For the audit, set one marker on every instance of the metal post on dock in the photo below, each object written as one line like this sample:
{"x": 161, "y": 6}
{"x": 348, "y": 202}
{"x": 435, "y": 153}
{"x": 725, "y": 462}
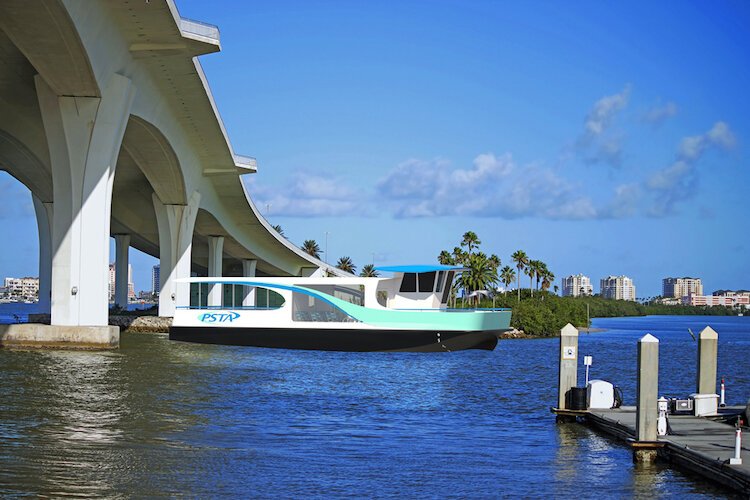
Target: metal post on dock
{"x": 708, "y": 341}
{"x": 646, "y": 395}
{"x": 568, "y": 377}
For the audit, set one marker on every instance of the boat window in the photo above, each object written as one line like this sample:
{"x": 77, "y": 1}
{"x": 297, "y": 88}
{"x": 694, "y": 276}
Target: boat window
{"x": 319, "y": 310}
{"x": 426, "y": 281}
{"x": 409, "y": 283}
{"x": 447, "y": 289}
{"x": 441, "y": 275}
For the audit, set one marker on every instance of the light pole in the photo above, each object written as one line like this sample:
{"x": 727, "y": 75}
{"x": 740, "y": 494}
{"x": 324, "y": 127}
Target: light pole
{"x": 327, "y": 233}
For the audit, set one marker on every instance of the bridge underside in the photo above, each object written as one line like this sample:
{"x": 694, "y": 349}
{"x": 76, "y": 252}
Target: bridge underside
{"x": 106, "y": 116}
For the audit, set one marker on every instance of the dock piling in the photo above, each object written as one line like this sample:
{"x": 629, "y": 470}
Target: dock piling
{"x": 568, "y": 375}
{"x": 737, "y": 459}
{"x": 646, "y": 395}
{"x": 708, "y": 351}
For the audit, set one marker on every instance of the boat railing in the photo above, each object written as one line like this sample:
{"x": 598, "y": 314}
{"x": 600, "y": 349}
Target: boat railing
{"x": 457, "y": 309}
{"x": 229, "y": 307}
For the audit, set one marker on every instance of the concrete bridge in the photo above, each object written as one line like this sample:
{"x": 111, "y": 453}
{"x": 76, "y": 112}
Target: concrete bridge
{"x": 107, "y": 118}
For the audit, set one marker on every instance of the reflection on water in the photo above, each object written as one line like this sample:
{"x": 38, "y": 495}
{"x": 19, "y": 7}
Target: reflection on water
{"x": 162, "y": 418}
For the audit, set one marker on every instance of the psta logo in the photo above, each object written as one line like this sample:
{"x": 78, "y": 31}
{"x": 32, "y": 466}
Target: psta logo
{"x": 218, "y": 317}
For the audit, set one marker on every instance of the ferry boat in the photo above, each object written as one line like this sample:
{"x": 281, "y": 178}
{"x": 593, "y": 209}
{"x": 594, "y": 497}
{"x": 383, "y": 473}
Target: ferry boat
{"x": 406, "y": 312}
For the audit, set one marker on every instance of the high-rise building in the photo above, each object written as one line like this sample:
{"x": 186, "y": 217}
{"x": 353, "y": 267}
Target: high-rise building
{"x": 131, "y": 286}
{"x": 156, "y": 279}
{"x": 576, "y": 285}
{"x": 617, "y": 287}
{"x": 681, "y": 287}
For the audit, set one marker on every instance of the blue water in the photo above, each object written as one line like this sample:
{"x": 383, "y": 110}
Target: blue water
{"x": 19, "y": 312}
{"x": 162, "y": 418}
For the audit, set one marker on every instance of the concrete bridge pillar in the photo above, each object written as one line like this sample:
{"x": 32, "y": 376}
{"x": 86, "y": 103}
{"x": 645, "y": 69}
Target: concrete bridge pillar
{"x": 215, "y": 257}
{"x": 122, "y": 261}
{"x": 43, "y": 223}
{"x": 176, "y": 224}
{"x": 248, "y": 292}
{"x": 84, "y": 135}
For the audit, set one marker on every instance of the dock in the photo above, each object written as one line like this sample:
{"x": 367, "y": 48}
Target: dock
{"x": 703, "y": 437}
{"x": 698, "y": 444}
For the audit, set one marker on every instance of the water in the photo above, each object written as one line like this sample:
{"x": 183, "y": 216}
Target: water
{"x": 160, "y": 418}
{"x": 17, "y": 312}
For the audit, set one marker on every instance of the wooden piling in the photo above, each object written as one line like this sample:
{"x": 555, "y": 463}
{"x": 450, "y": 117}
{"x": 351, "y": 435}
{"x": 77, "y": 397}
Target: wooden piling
{"x": 708, "y": 350}
{"x": 568, "y": 375}
{"x": 646, "y": 396}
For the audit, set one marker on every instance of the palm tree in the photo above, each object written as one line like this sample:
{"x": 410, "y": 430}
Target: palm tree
{"x": 530, "y": 271}
{"x": 521, "y": 260}
{"x": 507, "y": 275}
{"x": 446, "y": 258}
{"x": 470, "y": 240}
{"x": 548, "y": 277}
{"x": 346, "y": 265}
{"x": 556, "y": 288}
{"x": 480, "y": 274}
{"x": 311, "y": 247}
{"x": 368, "y": 271}
{"x": 278, "y": 229}
{"x": 459, "y": 256}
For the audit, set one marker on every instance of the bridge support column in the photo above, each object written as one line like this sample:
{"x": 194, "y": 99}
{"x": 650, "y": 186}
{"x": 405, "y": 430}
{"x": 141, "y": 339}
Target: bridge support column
{"x": 122, "y": 276}
{"x": 176, "y": 224}
{"x": 43, "y": 219}
{"x": 84, "y": 135}
{"x": 248, "y": 292}
{"x": 215, "y": 258}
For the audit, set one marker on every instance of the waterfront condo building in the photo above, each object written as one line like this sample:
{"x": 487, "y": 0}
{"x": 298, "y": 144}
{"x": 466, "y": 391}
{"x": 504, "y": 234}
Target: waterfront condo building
{"x": 681, "y": 287}
{"x": 22, "y": 289}
{"x": 576, "y": 285}
{"x": 131, "y": 286}
{"x": 617, "y": 287}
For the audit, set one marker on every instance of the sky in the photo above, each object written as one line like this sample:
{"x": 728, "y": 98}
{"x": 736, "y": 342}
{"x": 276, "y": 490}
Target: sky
{"x": 600, "y": 138}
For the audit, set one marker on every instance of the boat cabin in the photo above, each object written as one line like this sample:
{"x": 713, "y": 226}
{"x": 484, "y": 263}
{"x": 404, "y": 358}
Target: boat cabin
{"x": 416, "y": 287}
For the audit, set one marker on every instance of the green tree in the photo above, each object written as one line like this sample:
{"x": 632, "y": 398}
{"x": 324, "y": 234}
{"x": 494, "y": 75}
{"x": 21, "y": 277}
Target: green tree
{"x": 311, "y": 247}
{"x": 481, "y": 273}
{"x": 507, "y": 275}
{"x": 446, "y": 258}
{"x": 279, "y": 230}
{"x": 368, "y": 271}
{"x": 346, "y": 265}
{"x": 521, "y": 260}
{"x": 470, "y": 241}
{"x": 548, "y": 277}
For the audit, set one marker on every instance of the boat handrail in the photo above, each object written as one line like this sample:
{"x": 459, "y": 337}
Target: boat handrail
{"x": 228, "y": 307}
{"x": 453, "y": 309}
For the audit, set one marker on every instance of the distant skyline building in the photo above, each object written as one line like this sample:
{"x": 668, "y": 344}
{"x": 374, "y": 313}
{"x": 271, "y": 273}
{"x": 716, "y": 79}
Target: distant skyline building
{"x": 21, "y": 288}
{"x": 131, "y": 286}
{"x": 576, "y": 285}
{"x": 155, "y": 279}
{"x": 681, "y": 287}
{"x": 617, "y": 287}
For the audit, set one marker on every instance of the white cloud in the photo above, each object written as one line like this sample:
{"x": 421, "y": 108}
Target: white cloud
{"x": 659, "y": 113}
{"x": 601, "y": 115}
{"x": 309, "y": 195}
{"x": 492, "y": 187}
{"x": 678, "y": 181}
{"x": 598, "y": 144}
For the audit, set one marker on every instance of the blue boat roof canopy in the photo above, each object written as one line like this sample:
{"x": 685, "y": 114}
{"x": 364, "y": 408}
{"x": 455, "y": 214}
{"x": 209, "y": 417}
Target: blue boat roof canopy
{"x": 419, "y": 268}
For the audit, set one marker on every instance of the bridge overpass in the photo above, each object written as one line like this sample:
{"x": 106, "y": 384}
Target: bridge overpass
{"x": 106, "y": 116}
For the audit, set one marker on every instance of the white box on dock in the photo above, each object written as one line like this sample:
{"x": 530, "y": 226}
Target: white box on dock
{"x": 600, "y": 394}
{"x": 705, "y": 404}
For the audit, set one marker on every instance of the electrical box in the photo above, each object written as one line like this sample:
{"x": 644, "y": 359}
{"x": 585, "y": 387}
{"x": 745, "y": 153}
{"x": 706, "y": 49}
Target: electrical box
{"x": 600, "y": 394}
{"x": 677, "y": 406}
{"x": 705, "y": 404}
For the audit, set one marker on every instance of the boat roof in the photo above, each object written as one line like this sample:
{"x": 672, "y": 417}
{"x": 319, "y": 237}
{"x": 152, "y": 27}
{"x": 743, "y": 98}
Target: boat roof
{"x": 419, "y": 268}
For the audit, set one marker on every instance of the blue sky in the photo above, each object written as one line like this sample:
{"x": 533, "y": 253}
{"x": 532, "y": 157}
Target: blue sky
{"x": 600, "y": 138}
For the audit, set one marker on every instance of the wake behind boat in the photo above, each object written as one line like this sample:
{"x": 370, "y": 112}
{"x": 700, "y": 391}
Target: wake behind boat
{"x": 407, "y": 312}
